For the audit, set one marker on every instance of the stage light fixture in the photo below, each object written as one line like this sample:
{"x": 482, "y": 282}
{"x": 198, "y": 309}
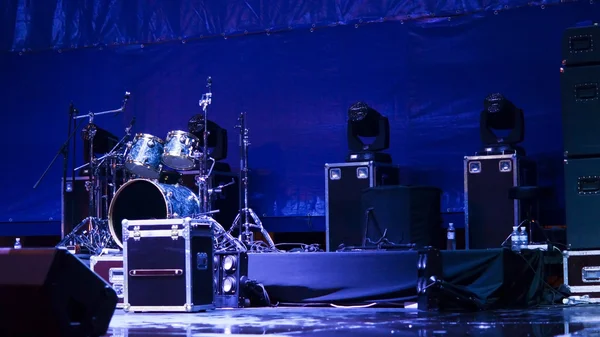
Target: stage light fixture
{"x": 366, "y": 122}
{"x": 229, "y": 285}
{"x": 500, "y": 114}
{"x": 217, "y": 136}
{"x": 229, "y": 263}
{"x": 229, "y": 276}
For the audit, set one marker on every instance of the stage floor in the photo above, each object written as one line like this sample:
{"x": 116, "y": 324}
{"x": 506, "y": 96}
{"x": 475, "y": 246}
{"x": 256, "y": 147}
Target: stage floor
{"x": 547, "y": 321}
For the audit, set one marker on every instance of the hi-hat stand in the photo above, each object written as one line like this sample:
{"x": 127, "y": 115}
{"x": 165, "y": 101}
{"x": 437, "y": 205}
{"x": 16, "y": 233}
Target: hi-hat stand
{"x": 92, "y": 232}
{"x": 242, "y": 220}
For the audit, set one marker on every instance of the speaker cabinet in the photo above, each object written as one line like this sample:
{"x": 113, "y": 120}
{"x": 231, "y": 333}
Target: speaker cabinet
{"x": 344, "y": 183}
{"x": 489, "y": 212}
{"x": 578, "y": 46}
{"x": 49, "y": 292}
{"x": 582, "y": 201}
{"x": 75, "y": 204}
{"x": 580, "y": 94}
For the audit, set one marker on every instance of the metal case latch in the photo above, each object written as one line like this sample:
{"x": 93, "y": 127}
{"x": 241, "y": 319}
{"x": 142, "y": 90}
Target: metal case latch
{"x": 136, "y": 233}
{"x": 174, "y": 232}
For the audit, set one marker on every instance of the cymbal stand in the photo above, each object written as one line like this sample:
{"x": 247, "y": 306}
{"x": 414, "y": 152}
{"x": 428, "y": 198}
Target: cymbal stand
{"x": 202, "y": 179}
{"x": 94, "y": 238}
{"x": 242, "y": 220}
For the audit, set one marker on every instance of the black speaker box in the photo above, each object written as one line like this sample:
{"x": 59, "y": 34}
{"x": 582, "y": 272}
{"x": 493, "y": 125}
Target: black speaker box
{"x": 75, "y": 204}
{"x": 49, "y": 292}
{"x": 490, "y": 213}
{"x": 578, "y": 46}
{"x": 580, "y": 94}
{"x": 344, "y": 183}
{"x": 407, "y": 215}
{"x": 582, "y": 201}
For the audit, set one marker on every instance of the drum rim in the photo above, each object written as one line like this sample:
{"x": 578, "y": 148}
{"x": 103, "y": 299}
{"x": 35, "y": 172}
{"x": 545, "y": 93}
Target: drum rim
{"x": 149, "y": 135}
{"x": 181, "y": 132}
{"x": 111, "y": 226}
{"x": 187, "y": 168}
{"x": 137, "y": 163}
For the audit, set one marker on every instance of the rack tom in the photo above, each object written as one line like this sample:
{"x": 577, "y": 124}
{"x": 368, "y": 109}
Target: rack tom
{"x": 143, "y": 158}
{"x": 179, "y": 150}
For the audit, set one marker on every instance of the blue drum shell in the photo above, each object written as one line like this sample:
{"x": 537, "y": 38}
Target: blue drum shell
{"x": 144, "y": 160}
{"x": 143, "y": 199}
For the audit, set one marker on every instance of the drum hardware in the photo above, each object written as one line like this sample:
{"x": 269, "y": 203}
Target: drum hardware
{"x": 97, "y": 235}
{"x": 219, "y": 189}
{"x": 202, "y": 157}
{"x": 242, "y": 220}
{"x": 223, "y": 240}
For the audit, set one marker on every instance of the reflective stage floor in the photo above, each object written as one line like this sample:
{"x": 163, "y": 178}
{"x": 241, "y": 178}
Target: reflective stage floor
{"x": 359, "y": 322}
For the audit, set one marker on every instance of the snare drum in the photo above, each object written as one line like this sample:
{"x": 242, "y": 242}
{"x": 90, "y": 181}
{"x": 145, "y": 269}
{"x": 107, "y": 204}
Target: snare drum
{"x": 142, "y": 199}
{"x": 179, "y": 150}
{"x": 143, "y": 159}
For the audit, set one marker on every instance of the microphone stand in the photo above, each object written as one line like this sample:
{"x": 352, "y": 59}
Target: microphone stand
{"x": 64, "y": 150}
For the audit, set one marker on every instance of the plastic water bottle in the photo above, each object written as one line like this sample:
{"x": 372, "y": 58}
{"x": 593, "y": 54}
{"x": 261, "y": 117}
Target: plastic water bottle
{"x": 451, "y": 237}
{"x": 18, "y": 243}
{"x": 515, "y": 240}
{"x": 524, "y": 238}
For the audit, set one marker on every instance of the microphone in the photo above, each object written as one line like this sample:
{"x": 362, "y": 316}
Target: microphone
{"x": 131, "y": 124}
{"x": 72, "y": 109}
{"x": 125, "y": 99}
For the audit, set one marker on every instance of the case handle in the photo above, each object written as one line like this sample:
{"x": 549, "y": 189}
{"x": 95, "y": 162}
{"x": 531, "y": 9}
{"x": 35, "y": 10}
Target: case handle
{"x": 586, "y": 91}
{"x": 588, "y": 185}
{"x": 581, "y": 43}
{"x": 155, "y": 272}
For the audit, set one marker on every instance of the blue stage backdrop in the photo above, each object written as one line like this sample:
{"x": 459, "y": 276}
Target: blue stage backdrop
{"x": 427, "y": 66}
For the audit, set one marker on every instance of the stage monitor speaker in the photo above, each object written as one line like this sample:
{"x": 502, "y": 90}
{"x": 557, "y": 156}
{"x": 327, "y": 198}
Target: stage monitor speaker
{"x": 50, "y": 292}
{"x": 407, "y": 215}
{"x": 582, "y": 200}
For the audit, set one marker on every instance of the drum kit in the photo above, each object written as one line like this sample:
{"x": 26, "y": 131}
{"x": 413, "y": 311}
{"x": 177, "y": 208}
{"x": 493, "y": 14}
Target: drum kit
{"x": 129, "y": 179}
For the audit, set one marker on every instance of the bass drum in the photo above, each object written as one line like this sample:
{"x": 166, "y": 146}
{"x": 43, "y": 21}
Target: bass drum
{"x": 142, "y": 199}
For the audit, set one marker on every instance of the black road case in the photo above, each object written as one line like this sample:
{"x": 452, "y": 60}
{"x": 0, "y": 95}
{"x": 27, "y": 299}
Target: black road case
{"x": 168, "y": 265}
